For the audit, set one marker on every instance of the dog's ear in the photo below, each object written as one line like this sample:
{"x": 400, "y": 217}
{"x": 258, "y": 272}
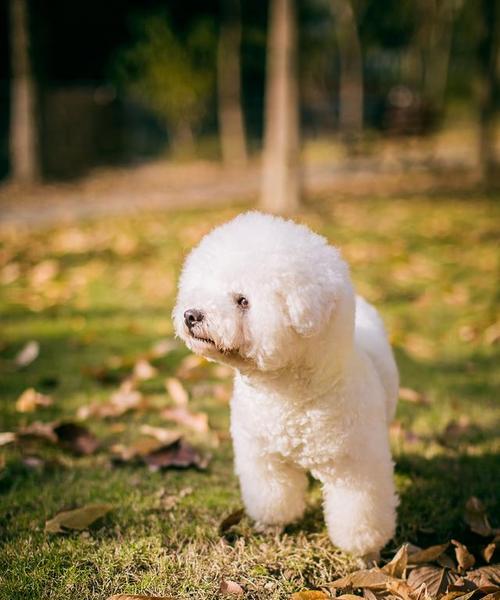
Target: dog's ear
{"x": 310, "y": 308}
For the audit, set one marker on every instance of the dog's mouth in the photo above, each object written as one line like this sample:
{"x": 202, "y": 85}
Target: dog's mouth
{"x": 208, "y": 341}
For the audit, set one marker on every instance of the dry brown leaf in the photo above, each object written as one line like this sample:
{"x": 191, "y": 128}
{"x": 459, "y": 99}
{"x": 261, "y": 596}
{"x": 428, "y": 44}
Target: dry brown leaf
{"x": 177, "y": 391}
{"x": 192, "y": 367}
{"x": 139, "y": 447}
{"x": 196, "y": 421}
{"x": 476, "y": 517}
{"x": 41, "y": 430}
{"x": 76, "y": 438}
{"x": 162, "y": 347}
{"x": 352, "y": 596}
{"x": 179, "y": 455}
{"x": 427, "y": 554}
{"x": 400, "y": 589}
{"x": 373, "y": 579}
{"x": 7, "y": 437}
{"x": 30, "y": 400}
{"x": 233, "y": 519}
{"x": 484, "y": 576}
{"x": 464, "y": 558}
{"x": 230, "y": 588}
{"x": 28, "y": 354}
{"x": 397, "y": 566}
{"x": 455, "y": 430}
{"x": 124, "y": 399}
{"x": 411, "y": 395}
{"x": 144, "y": 370}
{"x": 78, "y": 519}
{"x": 434, "y": 579}
{"x": 311, "y": 595}
{"x": 489, "y": 551}
{"x": 163, "y": 435}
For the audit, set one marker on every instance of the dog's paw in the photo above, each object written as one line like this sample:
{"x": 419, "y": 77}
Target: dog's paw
{"x": 368, "y": 560}
{"x": 267, "y": 529}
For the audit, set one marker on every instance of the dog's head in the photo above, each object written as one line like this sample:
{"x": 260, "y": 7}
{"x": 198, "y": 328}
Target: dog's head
{"x": 259, "y": 292}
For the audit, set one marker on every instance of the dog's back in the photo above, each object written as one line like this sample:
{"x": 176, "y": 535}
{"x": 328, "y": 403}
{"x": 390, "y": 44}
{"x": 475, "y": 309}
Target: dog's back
{"x": 370, "y": 336}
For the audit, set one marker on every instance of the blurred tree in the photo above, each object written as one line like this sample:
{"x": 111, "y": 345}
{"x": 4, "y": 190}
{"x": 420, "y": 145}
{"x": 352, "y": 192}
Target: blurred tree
{"x": 280, "y": 175}
{"x": 24, "y": 164}
{"x": 489, "y": 85}
{"x": 351, "y": 70}
{"x": 231, "y": 121}
{"x": 176, "y": 80}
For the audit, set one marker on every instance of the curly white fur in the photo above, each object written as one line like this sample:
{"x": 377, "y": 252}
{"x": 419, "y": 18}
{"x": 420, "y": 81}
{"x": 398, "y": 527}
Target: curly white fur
{"x": 315, "y": 378}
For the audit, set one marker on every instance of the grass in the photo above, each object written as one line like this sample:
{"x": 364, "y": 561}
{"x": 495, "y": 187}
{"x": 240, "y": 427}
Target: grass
{"x": 97, "y": 293}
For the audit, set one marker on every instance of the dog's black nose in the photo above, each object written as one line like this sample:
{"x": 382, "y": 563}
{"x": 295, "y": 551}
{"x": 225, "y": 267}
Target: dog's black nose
{"x": 193, "y": 316}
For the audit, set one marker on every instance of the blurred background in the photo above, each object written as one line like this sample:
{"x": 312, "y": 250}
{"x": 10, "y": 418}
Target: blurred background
{"x": 378, "y": 87}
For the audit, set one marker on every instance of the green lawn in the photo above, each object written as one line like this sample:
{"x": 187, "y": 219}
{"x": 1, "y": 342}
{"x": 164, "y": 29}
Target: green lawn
{"x": 99, "y": 295}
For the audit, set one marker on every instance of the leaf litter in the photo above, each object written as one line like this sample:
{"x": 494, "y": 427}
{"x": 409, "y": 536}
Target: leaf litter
{"x": 78, "y": 519}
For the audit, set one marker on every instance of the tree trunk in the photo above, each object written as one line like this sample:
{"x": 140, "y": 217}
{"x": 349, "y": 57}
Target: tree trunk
{"x": 351, "y": 71}
{"x": 23, "y": 129}
{"x": 280, "y": 175}
{"x": 437, "y": 18}
{"x": 489, "y": 87}
{"x": 231, "y": 121}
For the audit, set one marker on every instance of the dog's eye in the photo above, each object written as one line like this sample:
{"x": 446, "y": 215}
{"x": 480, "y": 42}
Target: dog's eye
{"x": 242, "y": 302}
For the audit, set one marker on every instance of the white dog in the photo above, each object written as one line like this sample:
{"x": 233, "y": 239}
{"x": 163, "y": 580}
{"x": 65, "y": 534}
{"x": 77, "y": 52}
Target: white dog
{"x": 315, "y": 379}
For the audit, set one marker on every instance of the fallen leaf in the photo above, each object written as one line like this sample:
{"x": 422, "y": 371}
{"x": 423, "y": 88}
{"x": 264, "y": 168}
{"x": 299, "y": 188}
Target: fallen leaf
{"x": 78, "y": 519}
{"x": 232, "y": 519}
{"x": 411, "y": 395}
{"x": 123, "y": 400}
{"x": 28, "y": 354}
{"x": 230, "y": 588}
{"x": 464, "y": 558}
{"x": 140, "y": 447}
{"x": 163, "y": 435}
{"x": 76, "y": 438}
{"x": 196, "y": 421}
{"x": 476, "y": 517}
{"x": 400, "y": 588}
{"x": 374, "y": 579}
{"x": 191, "y": 367}
{"x": 312, "y": 595}
{"x": 427, "y": 554}
{"x": 144, "y": 370}
{"x": 489, "y": 575}
{"x": 38, "y": 429}
{"x": 397, "y": 566}
{"x": 180, "y": 455}
{"x": 162, "y": 347}
{"x": 455, "y": 430}
{"x": 489, "y": 551}
{"x": 30, "y": 400}
{"x": 7, "y": 437}
{"x": 434, "y": 579}
{"x": 176, "y": 391}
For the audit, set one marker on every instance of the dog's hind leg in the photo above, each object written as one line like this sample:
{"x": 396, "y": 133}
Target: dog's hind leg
{"x": 273, "y": 490}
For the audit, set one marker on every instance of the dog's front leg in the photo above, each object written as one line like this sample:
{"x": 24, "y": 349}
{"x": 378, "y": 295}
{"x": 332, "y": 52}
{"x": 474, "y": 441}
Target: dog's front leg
{"x": 273, "y": 490}
{"x": 360, "y": 506}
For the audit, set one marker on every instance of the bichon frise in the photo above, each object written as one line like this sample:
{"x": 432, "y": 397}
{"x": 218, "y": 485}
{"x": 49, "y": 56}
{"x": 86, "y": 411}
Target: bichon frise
{"x": 315, "y": 384}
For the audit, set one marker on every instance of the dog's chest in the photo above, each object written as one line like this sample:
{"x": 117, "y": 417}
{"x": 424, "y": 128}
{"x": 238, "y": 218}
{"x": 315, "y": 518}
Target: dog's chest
{"x": 307, "y": 435}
